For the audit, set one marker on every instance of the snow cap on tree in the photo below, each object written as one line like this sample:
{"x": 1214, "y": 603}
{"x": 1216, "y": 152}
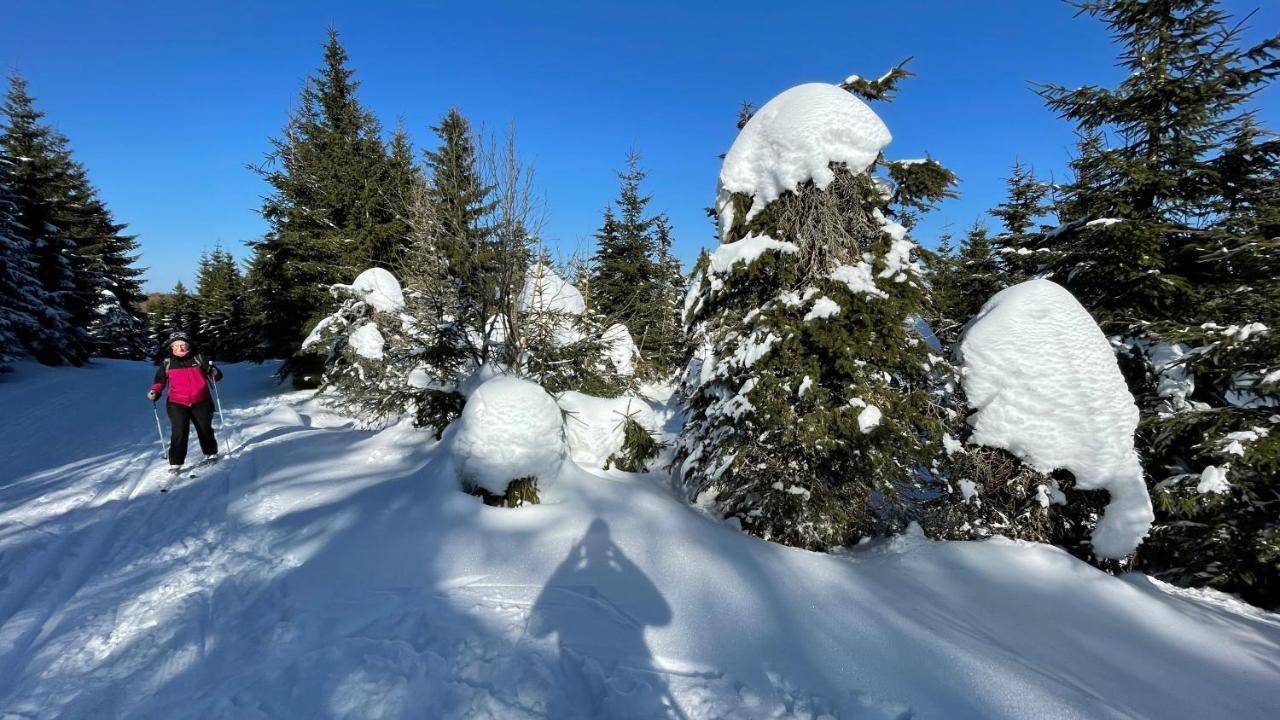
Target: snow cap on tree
{"x": 1046, "y": 387}
{"x": 795, "y": 138}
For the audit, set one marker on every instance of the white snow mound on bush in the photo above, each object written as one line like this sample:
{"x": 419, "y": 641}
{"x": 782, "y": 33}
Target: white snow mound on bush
{"x": 593, "y": 426}
{"x": 620, "y": 349}
{"x": 545, "y": 291}
{"x": 380, "y": 289}
{"x": 793, "y": 139}
{"x": 1046, "y": 387}
{"x": 509, "y": 429}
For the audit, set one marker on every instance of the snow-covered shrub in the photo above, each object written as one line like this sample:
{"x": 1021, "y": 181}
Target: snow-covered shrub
{"x": 377, "y": 361}
{"x": 639, "y": 447}
{"x": 1044, "y": 385}
{"x": 808, "y": 393}
{"x": 560, "y": 346}
{"x": 509, "y": 438}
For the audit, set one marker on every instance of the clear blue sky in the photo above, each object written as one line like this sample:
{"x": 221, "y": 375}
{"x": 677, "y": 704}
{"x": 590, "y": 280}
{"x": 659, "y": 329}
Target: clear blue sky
{"x": 166, "y": 102}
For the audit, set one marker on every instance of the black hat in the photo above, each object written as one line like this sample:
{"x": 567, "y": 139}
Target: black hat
{"x": 178, "y": 336}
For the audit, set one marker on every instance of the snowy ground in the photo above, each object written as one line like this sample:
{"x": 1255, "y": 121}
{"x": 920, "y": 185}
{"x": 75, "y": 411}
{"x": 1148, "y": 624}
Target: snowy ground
{"x": 326, "y": 572}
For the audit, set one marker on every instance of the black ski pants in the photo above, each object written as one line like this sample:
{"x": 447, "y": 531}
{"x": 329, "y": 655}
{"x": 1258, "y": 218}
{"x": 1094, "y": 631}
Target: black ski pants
{"x": 180, "y": 418}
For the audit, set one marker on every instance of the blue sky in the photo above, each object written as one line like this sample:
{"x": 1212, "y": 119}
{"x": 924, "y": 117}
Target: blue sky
{"x": 166, "y": 102}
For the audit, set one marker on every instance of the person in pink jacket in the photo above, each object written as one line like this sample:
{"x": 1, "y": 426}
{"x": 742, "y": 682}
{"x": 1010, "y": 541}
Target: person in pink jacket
{"x": 187, "y": 376}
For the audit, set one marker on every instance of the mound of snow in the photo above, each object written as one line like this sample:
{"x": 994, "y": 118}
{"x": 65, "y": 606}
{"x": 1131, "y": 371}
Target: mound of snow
{"x": 380, "y": 289}
{"x": 546, "y": 291}
{"x": 593, "y": 426}
{"x": 620, "y": 349}
{"x": 509, "y": 429}
{"x": 1046, "y": 387}
{"x": 794, "y": 138}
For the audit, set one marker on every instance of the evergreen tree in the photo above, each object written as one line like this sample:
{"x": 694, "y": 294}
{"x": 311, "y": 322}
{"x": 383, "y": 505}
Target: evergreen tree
{"x": 461, "y": 201}
{"x": 336, "y": 205}
{"x": 962, "y": 283}
{"x": 24, "y": 306}
{"x": 40, "y": 190}
{"x": 1165, "y": 240}
{"x": 220, "y": 292}
{"x": 810, "y": 412}
{"x": 184, "y": 314}
{"x": 632, "y": 280}
{"x": 1016, "y": 244}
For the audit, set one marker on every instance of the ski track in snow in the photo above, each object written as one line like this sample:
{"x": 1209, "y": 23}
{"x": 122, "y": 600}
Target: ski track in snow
{"x": 319, "y": 571}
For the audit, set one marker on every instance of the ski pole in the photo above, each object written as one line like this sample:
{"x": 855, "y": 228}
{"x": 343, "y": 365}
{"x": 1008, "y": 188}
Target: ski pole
{"x": 222, "y": 420}
{"x": 159, "y": 431}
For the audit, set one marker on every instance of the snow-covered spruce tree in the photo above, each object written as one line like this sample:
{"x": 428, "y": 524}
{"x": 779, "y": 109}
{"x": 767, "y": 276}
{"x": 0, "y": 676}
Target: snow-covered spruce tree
{"x": 560, "y": 347}
{"x": 39, "y": 191}
{"x": 809, "y": 412}
{"x": 635, "y": 281}
{"x": 117, "y": 330}
{"x": 25, "y": 308}
{"x": 371, "y": 350}
{"x": 1165, "y": 240}
{"x": 509, "y": 442}
{"x": 960, "y": 284}
{"x": 334, "y": 210}
{"x": 1044, "y": 385}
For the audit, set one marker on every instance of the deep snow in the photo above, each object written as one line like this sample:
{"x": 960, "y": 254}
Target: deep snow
{"x": 322, "y": 571}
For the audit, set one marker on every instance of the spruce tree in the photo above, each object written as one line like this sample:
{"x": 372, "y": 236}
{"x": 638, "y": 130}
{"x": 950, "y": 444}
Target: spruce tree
{"x": 810, "y": 413}
{"x": 40, "y": 190}
{"x": 461, "y": 200}
{"x": 1165, "y": 240}
{"x": 220, "y": 293}
{"x": 632, "y": 280}
{"x": 335, "y": 206}
{"x": 24, "y": 306}
{"x": 1015, "y": 245}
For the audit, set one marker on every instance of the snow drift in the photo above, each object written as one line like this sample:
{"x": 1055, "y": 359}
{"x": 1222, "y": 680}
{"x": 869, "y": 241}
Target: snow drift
{"x": 1045, "y": 385}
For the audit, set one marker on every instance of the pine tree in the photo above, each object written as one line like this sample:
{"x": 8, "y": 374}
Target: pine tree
{"x": 336, "y": 205}
{"x": 810, "y": 412}
{"x": 40, "y": 190}
{"x": 1164, "y": 239}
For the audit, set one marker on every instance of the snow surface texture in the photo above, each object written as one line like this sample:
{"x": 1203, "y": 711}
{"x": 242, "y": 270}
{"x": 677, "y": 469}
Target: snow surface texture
{"x": 794, "y": 138}
{"x": 326, "y": 572}
{"x": 1046, "y": 387}
{"x": 509, "y": 429}
{"x": 380, "y": 289}
{"x": 620, "y": 349}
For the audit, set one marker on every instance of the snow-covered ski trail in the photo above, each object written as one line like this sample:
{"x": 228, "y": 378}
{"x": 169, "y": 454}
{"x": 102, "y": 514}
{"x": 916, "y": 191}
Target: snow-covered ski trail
{"x": 319, "y": 571}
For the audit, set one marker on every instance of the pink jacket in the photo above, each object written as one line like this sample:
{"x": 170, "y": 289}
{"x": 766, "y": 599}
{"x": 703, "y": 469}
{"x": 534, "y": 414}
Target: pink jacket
{"x": 187, "y": 385}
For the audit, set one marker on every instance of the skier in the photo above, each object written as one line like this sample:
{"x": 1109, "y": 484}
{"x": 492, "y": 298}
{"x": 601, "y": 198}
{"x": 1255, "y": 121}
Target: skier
{"x": 186, "y": 373}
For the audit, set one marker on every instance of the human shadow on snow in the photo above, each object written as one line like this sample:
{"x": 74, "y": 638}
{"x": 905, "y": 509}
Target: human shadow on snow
{"x": 598, "y": 603}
